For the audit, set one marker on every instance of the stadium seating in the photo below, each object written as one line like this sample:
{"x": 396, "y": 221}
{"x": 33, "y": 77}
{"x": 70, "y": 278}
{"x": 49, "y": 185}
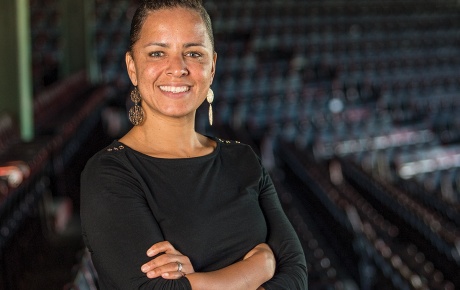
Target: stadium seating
{"x": 353, "y": 105}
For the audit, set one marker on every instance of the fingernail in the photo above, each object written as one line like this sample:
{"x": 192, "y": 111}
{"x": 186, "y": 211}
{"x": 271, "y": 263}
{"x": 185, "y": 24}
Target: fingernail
{"x": 145, "y": 268}
{"x": 150, "y": 253}
{"x": 165, "y": 275}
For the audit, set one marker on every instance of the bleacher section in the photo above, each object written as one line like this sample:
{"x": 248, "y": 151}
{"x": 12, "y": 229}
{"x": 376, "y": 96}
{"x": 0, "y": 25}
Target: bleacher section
{"x": 39, "y": 200}
{"x": 353, "y": 106}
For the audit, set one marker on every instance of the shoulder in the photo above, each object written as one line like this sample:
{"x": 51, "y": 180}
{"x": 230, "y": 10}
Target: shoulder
{"x": 238, "y": 151}
{"x": 234, "y": 146}
{"x": 108, "y": 172}
{"x": 110, "y": 158}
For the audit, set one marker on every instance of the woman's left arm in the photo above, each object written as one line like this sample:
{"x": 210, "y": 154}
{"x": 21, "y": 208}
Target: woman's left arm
{"x": 291, "y": 269}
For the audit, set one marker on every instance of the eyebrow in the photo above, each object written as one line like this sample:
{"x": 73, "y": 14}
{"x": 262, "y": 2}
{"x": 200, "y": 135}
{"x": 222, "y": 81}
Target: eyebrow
{"x": 187, "y": 45}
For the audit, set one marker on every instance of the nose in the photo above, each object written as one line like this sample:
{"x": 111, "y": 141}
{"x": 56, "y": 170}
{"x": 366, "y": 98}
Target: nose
{"x": 177, "y": 67}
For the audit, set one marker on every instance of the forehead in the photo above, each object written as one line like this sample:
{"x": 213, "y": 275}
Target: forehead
{"x": 174, "y": 23}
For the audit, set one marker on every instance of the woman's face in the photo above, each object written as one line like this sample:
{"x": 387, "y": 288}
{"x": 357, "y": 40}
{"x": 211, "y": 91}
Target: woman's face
{"x": 172, "y": 63}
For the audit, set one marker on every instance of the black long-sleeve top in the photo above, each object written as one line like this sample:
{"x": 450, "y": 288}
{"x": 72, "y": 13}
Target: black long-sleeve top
{"x": 213, "y": 209}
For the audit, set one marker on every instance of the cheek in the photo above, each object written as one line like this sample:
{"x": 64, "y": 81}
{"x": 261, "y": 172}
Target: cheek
{"x": 149, "y": 71}
{"x": 206, "y": 75}
{"x": 202, "y": 68}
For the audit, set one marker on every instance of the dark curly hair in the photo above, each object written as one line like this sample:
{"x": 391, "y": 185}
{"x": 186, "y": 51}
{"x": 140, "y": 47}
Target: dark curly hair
{"x": 148, "y": 6}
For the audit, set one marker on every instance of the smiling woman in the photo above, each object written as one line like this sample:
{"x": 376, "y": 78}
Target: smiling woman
{"x": 166, "y": 207}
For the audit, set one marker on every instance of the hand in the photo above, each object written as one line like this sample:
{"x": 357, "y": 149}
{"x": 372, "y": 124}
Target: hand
{"x": 166, "y": 262}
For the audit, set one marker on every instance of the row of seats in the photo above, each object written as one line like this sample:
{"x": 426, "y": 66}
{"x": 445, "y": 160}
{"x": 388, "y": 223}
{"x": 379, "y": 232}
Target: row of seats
{"x": 381, "y": 239}
{"x": 325, "y": 272}
{"x": 359, "y": 7}
{"x": 322, "y": 201}
{"x": 338, "y": 26}
{"x": 437, "y": 234}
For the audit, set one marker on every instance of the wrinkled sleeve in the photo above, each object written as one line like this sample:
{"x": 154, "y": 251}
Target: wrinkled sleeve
{"x": 118, "y": 226}
{"x": 291, "y": 269}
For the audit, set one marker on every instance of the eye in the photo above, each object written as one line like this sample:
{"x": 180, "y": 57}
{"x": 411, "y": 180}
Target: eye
{"x": 194, "y": 54}
{"x": 156, "y": 54}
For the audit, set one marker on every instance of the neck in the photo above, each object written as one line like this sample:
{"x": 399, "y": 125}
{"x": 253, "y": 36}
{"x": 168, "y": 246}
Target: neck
{"x": 167, "y": 138}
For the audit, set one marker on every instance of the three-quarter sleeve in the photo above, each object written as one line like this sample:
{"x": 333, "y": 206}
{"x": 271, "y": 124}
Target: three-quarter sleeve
{"x": 291, "y": 269}
{"x": 118, "y": 226}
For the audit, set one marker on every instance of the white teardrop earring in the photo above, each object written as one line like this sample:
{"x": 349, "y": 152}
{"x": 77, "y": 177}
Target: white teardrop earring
{"x": 210, "y": 99}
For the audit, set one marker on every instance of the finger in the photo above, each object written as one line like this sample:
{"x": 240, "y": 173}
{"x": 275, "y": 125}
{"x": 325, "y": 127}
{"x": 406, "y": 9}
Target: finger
{"x": 162, "y": 247}
{"x": 173, "y": 275}
{"x": 176, "y": 274}
{"x": 159, "y": 247}
{"x": 170, "y": 270}
{"x": 163, "y": 260}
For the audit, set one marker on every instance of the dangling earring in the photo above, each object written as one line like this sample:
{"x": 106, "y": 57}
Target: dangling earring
{"x": 210, "y": 99}
{"x": 136, "y": 113}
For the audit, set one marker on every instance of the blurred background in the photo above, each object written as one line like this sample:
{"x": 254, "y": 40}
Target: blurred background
{"x": 353, "y": 106}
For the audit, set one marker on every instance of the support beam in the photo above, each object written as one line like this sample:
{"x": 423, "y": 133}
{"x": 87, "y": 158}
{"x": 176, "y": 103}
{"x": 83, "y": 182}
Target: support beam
{"x": 16, "y": 97}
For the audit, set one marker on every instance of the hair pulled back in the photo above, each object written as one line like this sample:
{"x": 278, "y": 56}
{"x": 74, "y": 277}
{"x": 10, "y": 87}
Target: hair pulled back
{"x": 148, "y": 6}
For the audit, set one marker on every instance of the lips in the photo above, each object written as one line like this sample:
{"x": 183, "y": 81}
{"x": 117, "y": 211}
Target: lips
{"x": 175, "y": 89}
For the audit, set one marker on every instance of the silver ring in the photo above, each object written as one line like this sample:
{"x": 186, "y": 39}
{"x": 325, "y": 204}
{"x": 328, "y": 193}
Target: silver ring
{"x": 179, "y": 266}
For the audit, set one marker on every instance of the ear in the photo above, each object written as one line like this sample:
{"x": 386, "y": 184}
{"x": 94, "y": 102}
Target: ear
{"x": 213, "y": 68}
{"x": 131, "y": 68}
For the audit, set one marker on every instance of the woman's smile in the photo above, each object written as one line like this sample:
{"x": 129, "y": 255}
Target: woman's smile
{"x": 174, "y": 89}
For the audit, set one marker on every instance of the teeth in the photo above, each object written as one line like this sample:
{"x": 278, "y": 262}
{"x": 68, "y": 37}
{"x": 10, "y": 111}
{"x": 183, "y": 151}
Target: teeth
{"x": 174, "y": 89}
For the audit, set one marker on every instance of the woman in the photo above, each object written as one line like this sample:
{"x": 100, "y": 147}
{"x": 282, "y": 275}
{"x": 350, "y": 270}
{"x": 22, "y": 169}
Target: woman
{"x": 165, "y": 207}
